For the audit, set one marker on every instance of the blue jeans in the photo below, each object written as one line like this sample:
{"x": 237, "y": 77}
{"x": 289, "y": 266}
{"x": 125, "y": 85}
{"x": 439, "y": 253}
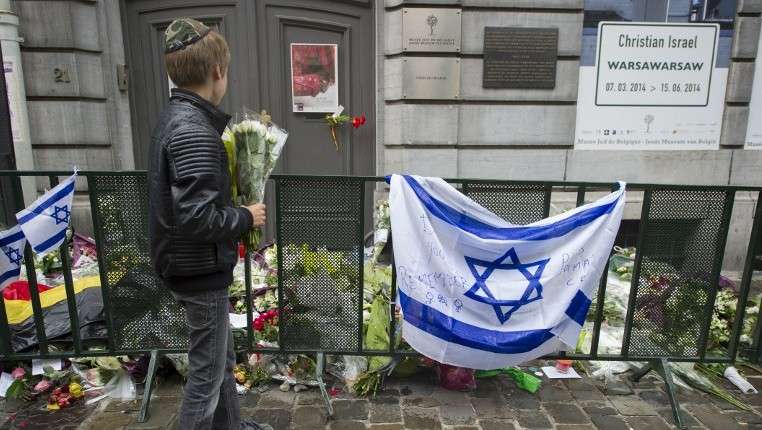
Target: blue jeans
{"x": 210, "y": 400}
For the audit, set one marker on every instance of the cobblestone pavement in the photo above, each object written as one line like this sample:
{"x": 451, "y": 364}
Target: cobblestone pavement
{"x": 419, "y": 403}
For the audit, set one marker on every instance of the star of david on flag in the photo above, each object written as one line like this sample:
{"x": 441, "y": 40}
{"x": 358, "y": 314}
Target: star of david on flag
{"x": 505, "y": 307}
{"x": 45, "y": 221}
{"x": 12, "y": 243}
{"x": 505, "y": 293}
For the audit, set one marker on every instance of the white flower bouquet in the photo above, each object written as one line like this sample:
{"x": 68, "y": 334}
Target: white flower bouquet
{"x": 254, "y": 145}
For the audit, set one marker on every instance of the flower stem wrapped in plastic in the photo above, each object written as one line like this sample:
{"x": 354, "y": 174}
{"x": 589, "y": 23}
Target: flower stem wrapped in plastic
{"x": 258, "y": 143}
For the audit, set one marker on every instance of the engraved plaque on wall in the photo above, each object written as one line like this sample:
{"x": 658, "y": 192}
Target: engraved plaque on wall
{"x": 431, "y": 78}
{"x": 431, "y": 30}
{"x": 516, "y": 57}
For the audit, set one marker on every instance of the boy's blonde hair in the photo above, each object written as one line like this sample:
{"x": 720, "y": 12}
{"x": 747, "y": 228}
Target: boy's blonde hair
{"x": 194, "y": 64}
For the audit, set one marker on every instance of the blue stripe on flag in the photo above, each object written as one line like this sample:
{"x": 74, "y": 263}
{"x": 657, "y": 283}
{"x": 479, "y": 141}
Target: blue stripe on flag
{"x": 451, "y": 330}
{"x": 44, "y": 246}
{"x": 578, "y": 308}
{"x": 486, "y": 231}
{"x": 68, "y": 189}
{"x": 10, "y": 275}
{"x": 15, "y": 237}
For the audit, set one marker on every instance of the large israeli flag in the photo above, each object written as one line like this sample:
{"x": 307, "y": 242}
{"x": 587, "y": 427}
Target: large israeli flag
{"x": 45, "y": 222}
{"x": 479, "y": 292}
{"x": 12, "y": 243}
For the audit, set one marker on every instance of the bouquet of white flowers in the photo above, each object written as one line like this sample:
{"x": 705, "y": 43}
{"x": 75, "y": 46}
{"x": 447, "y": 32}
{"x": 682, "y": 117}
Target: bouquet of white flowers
{"x": 253, "y": 145}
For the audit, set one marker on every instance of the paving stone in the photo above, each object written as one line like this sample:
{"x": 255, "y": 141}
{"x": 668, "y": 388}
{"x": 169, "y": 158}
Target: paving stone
{"x": 350, "y": 410}
{"x": 457, "y": 414}
{"x": 417, "y": 388}
{"x": 486, "y": 388}
{"x": 647, "y": 381}
{"x": 449, "y": 397}
{"x": 722, "y": 404}
{"x": 534, "y": 420}
{"x": 609, "y": 422}
{"x": 575, "y": 427}
{"x": 555, "y": 392}
{"x": 711, "y": 417}
{"x": 347, "y": 425}
{"x": 250, "y": 400}
{"x": 107, "y": 421}
{"x": 745, "y": 417}
{"x": 654, "y": 397}
{"x": 579, "y": 385}
{"x": 497, "y": 425}
{"x": 421, "y": 402}
{"x": 752, "y": 399}
{"x": 116, "y": 406}
{"x": 647, "y": 423}
{"x": 688, "y": 419}
{"x": 421, "y": 418}
{"x": 310, "y": 397}
{"x": 279, "y": 419}
{"x": 276, "y": 399}
{"x": 386, "y": 427}
{"x": 465, "y": 428}
{"x": 387, "y": 400}
{"x": 588, "y": 395}
{"x": 309, "y": 416}
{"x": 564, "y": 413}
{"x": 617, "y": 388}
{"x": 492, "y": 407}
{"x": 631, "y": 405}
{"x": 385, "y": 413}
{"x": 522, "y": 400}
{"x": 599, "y": 409}
{"x": 388, "y": 392}
{"x": 690, "y": 397}
{"x": 161, "y": 414}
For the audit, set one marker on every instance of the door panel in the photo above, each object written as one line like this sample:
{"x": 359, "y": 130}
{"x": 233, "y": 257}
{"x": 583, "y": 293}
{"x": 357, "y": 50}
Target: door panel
{"x": 350, "y": 26}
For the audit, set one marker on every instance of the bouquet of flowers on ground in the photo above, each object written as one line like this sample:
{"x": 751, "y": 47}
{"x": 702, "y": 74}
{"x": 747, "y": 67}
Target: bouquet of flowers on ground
{"x": 253, "y": 145}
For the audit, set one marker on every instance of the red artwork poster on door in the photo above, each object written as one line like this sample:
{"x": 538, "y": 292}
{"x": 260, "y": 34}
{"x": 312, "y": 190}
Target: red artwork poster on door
{"x": 314, "y": 77}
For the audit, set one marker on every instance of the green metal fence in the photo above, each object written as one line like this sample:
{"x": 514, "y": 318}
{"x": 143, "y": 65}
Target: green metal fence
{"x": 684, "y": 228}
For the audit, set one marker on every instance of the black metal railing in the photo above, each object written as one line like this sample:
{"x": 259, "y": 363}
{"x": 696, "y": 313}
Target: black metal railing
{"x": 682, "y": 237}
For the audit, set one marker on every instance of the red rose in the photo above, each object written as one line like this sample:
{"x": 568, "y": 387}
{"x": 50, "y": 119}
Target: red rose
{"x": 362, "y": 119}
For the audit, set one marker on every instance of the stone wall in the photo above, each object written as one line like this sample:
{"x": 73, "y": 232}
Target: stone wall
{"x": 77, "y": 115}
{"x": 529, "y": 134}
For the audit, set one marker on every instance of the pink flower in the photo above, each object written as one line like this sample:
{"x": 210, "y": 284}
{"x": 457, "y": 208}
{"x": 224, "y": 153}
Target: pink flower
{"x": 42, "y": 386}
{"x": 18, "y": 373}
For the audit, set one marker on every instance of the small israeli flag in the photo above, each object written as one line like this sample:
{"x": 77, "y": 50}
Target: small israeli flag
{"x": 12, "y": 243}
{"x": 45, "y": 222}
{"x": 479, "y": 292}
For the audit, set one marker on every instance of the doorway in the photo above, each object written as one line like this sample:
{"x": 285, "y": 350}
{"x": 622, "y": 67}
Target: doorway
{"x": 260, "y": 34}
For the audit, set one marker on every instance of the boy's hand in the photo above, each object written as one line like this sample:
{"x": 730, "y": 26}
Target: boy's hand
{"x": 259, "y": 213}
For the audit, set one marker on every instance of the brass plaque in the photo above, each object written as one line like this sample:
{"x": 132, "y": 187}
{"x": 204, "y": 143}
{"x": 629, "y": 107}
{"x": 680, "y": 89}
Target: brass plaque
{"x": 431, "y": 78}
{"x": 516, "y": 57}
{"x": 431, "y": 30}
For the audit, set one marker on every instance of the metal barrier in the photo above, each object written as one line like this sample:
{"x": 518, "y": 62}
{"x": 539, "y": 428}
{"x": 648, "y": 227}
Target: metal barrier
{"x": 682, "y": 227}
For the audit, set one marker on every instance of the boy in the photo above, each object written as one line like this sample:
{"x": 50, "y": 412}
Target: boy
{"x": 193, "y": 226}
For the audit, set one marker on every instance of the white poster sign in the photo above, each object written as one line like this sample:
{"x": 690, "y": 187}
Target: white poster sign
{"x": 314, "y": 77}
{"x": 754, "y": 130}
{"x": 654, "y": 87}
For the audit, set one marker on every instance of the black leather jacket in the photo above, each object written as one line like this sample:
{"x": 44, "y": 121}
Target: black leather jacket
{"x": 193, "y": 227}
